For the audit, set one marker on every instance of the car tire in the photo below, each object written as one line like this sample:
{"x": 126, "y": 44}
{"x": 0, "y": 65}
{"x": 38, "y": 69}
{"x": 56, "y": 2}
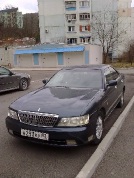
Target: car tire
{"x": 23, "y": 84}
{"x": 121, "y": 102}
{"x": 98, "y": 134}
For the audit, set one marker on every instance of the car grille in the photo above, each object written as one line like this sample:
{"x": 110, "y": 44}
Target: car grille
{"x": 38, "y": 119}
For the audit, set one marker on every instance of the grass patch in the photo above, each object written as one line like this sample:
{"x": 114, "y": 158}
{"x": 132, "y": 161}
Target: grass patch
{"x": 121, "y": 65}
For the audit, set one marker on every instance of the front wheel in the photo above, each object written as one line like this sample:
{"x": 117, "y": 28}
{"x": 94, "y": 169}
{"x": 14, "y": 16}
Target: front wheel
{"x": 23, "y": 84}
{"x": 98, "y": 129}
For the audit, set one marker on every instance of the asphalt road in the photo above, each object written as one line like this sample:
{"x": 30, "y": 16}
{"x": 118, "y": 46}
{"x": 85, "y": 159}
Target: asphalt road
{"x": 20, "y": 159}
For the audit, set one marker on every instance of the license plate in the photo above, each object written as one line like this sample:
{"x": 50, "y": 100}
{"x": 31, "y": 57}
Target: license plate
{"x": 34, "y": 134}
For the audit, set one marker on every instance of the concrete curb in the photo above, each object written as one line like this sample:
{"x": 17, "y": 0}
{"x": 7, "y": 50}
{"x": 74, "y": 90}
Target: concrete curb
{"x": 35, "y": 69}
{"x": 91, "y": 165}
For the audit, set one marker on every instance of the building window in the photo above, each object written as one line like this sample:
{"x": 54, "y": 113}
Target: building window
{"x": 71, "y": 28}
{"x": 84, "y": 16}
{"x": 84, "y": 28}
{"x": 84, "y": 3}
{"x": 71, "y": 40}
{"x": 85, "y": 40}
{"x": 70, "y": 17}
{"x": 70, "y": 5}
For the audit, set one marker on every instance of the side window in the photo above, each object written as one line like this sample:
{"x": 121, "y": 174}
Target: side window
{"x": 108, "y": 75}
{"x": 114, "y": 73}
{"x": 4, "y": 71}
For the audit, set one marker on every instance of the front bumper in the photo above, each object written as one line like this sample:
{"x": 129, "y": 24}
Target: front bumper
{"x": 57, "y": 136}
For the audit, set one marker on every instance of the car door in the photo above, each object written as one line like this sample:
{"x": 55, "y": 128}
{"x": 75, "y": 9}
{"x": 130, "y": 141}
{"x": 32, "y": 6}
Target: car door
{"x": 14, "y": 80}
{"x": 110, "y": 91}
{"x": 7, "y": 79}
{"x": 120, "y": 81}
{"x": 4, "y": 79}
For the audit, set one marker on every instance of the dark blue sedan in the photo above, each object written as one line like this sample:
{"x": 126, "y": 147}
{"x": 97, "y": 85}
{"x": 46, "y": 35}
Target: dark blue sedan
{"x": 71, "y": 107}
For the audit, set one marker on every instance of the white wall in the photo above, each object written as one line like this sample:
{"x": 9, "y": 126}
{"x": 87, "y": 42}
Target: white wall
{"x": 6, "y": 56}
{"x": 25, "y": 60}
{"x": 73, "y": 58}
{"x": 95, "y": 54}
{"x": 48, "y": 60}
{"x": 51, "y": 20}
{"x": 101, "y": 5}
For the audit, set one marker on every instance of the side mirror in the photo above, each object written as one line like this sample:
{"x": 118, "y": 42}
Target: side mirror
{"x": 11, "y": 73}
{"x": 112, "y": 83}
{"x": 45, "y": 81}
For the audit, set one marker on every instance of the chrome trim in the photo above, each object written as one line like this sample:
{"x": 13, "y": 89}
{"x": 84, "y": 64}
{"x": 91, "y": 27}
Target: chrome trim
{"x": 36, "y": 114}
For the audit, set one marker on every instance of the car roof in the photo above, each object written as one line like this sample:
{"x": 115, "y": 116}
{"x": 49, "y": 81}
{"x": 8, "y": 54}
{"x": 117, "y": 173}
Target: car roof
{"x": 92, "y": 66}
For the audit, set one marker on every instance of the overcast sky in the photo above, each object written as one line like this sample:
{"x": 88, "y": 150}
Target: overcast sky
{"x": 133, "y": 3}
{"x": 25, "y": 6}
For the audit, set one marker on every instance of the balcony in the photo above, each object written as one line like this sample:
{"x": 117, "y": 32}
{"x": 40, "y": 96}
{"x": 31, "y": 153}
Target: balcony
{"x": 70, "y": 5}
{"x": 84, "y": 16}
{"x": 84, "y": 4}
{"x": 85, "y": 28}
{"x": 70, "y": 18}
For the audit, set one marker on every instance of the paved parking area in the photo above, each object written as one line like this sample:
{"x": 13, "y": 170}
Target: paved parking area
{"x": 119, "y": 159}
{"x": 23, "y": 159}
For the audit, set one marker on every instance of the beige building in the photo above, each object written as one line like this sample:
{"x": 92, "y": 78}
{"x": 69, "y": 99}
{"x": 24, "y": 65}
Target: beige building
{"x": 57, "y": 55}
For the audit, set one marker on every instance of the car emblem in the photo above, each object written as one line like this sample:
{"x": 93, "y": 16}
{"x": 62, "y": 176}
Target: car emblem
{"x": 38, "y": 109}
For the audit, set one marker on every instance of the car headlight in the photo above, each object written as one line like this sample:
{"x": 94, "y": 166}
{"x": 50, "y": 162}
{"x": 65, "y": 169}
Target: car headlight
{"x": 12, "y": 114}
{"x": 74, "y": 121}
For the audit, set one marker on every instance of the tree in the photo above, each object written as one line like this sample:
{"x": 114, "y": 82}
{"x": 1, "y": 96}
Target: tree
{"x": 31, "y": 26}
{"x": 107, "y": 31}
{"x": 130, "y": 52}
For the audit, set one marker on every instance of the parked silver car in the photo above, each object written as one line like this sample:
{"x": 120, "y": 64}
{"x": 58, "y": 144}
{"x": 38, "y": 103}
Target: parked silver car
{"x": 10, "y": 80}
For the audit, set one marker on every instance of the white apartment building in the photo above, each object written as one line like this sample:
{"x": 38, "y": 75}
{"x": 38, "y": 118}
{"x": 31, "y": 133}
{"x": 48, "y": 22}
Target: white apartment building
{"x": 132, "y": 23}
{"x": 64, "y": 21}
{"x": 124, "y": 19}
{"x": 126, "y": 22}
{"x": 69, "y": 21}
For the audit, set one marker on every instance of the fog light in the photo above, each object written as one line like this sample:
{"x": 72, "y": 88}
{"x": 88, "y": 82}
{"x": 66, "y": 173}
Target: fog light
{"x": 10, "y": 131}
{"x": 71, "y": 142}
{"x": 90, "y": 138}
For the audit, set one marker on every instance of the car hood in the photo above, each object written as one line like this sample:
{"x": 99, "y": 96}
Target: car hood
{"x": 21, "y": 74}
{"x": 65, "y": 102}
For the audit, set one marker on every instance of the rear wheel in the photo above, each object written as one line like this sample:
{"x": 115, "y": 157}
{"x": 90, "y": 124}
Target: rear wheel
{"x": 23, "y": 84}
{"x": 98, "y": 129}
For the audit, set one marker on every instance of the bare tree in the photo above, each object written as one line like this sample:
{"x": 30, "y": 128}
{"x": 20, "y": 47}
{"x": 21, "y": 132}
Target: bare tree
{"x": 130, "y": 52}
{"x": 8, "y": 6}
{"x": 31, "y": 25}
{"x": 106, "y": 30}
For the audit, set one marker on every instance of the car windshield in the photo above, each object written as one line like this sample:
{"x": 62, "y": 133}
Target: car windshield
{"x": 79, "y": 78}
